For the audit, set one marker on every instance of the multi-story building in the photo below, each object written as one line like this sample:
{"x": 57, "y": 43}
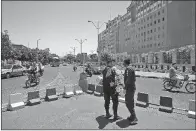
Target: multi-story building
{"x": 151, "y": 26}
{"x": 109, "y": 38}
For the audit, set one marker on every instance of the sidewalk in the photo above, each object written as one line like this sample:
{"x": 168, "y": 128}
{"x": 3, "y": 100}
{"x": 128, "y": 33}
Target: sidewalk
{"x": 86, "y": 112}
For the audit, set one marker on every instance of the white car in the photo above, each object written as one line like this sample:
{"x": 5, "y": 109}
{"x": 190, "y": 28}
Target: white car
{"x": 8, "y": 71}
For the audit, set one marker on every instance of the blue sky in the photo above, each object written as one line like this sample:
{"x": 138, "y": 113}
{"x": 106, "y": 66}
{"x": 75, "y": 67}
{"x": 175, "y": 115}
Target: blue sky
{"x": 57, "y": 23}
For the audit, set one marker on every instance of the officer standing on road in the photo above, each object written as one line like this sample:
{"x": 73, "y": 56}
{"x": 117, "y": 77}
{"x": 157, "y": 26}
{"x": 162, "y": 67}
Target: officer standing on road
{"x": 109, "y": 89}
{"x": 129, "y": 81}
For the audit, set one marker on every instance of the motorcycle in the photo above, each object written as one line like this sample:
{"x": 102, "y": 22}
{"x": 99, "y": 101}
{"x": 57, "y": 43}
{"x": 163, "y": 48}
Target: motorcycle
{"x": 32, "y": 79}
{"x": 74, "y": 68}
{"x": 169, "y": 84}
{"x": 41, "y": 73}
{"x": 89, "y": 72}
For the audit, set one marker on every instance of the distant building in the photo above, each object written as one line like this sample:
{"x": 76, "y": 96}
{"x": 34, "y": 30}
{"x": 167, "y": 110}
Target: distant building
{"x": 18, "y": 47}
{"x": 150, "y": 26}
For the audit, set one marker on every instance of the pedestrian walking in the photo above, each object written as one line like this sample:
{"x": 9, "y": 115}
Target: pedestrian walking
{"x": 129, "y": 82}
{"x": 109, "y": 89}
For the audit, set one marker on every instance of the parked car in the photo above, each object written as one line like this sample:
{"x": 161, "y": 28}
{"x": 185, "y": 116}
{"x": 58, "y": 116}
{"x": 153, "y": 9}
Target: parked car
{"x": 8, "y": 71}
{"x": 65, "y": 64}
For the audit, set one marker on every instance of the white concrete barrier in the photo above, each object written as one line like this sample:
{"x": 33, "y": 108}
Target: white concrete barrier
{"x": 77, "y": 90}
{"x": 191, "y": 111}
{"x": 68, "y": 91}
{"x": 15, "y": 101}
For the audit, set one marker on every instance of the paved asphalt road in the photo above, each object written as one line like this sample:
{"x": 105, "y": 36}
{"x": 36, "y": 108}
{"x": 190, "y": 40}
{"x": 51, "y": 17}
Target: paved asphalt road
{"x": 86, "y": 112}
{"x": 17, "y": 84}
{"x": 151, "y": 86}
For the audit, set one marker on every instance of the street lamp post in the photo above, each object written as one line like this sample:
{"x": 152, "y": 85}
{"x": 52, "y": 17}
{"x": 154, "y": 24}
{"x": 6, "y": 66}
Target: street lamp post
{"x": 81, "y": 42}
{"x": 97, "y": 27}
{"x": 74, "y": 49}
{"x": 37, "y": 49}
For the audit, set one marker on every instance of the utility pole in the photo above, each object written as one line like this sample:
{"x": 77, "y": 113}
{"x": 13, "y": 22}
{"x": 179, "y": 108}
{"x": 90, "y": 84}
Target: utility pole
{"x": 37, "y": 49}
{"x": 74, "y": 49}
{"x": 97, "y": 27}
{"x": 81, "y": 42}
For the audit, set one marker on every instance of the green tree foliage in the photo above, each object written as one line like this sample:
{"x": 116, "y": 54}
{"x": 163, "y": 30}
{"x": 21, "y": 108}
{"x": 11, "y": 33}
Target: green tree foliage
{"x": 106, "y": 57}
{"x": 94, "y": 57}
{"x": 6, "y": 49}
{"x": 70, "y": 58}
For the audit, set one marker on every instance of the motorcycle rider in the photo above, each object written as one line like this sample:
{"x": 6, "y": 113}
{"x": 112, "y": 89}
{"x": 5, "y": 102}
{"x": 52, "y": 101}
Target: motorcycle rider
{"x": 173, "y": 74}
{"x": 74, "y": 67}
{"x": 40, "y": 68}
{"x": 33, "y": 69}
{"x": 88, "y": 68}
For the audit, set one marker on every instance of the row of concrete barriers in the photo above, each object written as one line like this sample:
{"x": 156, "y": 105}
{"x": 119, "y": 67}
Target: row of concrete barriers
{"x": 16, "y": 100}
{"x": 166, "y": 104}
{"x": 33, "y": 98}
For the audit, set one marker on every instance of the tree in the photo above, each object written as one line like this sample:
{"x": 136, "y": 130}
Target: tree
{"x": 6, "y": 49}
{"x": 94, "y": 57}
{"x": 70, "y": 58}
{"x": 106, "y": 57}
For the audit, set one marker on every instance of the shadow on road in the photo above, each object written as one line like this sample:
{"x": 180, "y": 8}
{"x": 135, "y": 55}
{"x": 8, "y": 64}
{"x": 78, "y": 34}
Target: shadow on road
{"x": 102, "y": 121}
{"x": 177, "y": 91}
{"x": 34, "y": 85}
{"x": 123, "y": 123}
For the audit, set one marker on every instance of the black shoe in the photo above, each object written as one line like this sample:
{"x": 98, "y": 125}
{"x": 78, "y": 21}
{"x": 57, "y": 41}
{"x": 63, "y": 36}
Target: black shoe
{"x": 117, "y": 118}
{"x": 134, "y": 121}
{"x": 108, "y": 115}
{"x": 129, "y": 118}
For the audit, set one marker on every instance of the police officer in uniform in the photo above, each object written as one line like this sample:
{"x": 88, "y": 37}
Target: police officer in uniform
{"x": 109, "y": 89}
{"x": 129, "y": 82}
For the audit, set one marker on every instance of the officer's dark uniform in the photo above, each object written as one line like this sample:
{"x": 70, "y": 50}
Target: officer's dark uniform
{"x": 129, "y": 80}
{"x": 110, "y": 91}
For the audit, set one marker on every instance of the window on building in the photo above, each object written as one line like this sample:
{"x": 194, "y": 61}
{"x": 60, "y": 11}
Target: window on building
{"x": 144, "y": 40}
{"x": 150, "y": 45}
{"x": 147, "y": 46}
{"x": 163, "y": 26}
{"x": 159, "y": 28}
{"x": 154, "y": 15}
{"x": 159, "y": 44}
{"x": 150, "y": 23}
{"x": 147, "y": 25}
{"x": 155, "y": 22}
{"x": 144, "y": 46}
{"x": 163, "y": 35}
{"x": 144, "y": 26}
{"x": 163, "y": 19}
{"x": 158, "y": 35}
{"x": 136, "y": 36}
{"x": 151, "y": 17}
{"x": 148, "y": 32}
{"x": 154, "y": 29}
{"x": 162, "y": 10}
{"x": 155, "y": 37}
{"x": 155, "y": 44}
{"x": 159, "y": 13}
{"x": 151, "y": 31}
{"x": 141, "y": 34}
{"x": 158, "y": 20}
{"x": 147, "y": 18}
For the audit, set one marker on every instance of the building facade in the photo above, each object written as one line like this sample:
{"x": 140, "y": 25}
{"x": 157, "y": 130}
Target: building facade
{"x": 150, "y": 26}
